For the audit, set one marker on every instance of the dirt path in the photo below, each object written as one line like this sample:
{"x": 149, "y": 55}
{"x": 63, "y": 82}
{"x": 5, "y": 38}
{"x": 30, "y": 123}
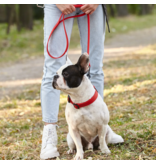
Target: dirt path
{"x": 15, "y": 77}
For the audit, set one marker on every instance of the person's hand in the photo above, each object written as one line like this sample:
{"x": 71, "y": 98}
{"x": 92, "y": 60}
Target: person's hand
{"x": 89, "y": 8}
{"x": 66, "y": 8}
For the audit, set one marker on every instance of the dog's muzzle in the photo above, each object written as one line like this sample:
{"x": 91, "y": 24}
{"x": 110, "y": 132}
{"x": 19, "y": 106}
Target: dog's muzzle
{"x": 54, "y": 84}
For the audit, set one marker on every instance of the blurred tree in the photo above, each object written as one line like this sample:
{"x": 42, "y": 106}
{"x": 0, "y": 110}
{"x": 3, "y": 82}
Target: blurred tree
{"x": 25, "y": 16}
{"x": 122, "y": 10}
{"x": 21, "y": 14}
{"x": 134, "y": 8}
{"x": 2, "y": 13}
{"x": 111, "y": 10}
{"x": 11, "y": 16}
{"x": 145, "y": 9}
{"x": 37, "y": 12}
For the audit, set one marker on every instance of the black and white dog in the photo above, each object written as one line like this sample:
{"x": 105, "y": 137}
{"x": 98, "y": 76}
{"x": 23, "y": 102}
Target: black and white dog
{"x": 88, "y": 126}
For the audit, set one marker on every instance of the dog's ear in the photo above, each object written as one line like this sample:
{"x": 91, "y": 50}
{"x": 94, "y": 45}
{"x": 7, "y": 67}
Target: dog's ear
{"x": 83, "y": 63}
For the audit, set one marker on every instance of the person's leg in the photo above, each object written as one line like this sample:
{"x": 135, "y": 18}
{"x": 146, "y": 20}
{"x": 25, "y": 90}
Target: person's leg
{"x": 97, "y": 36}
{"x": 57, "y": 44}
{"x": 49, "y": 96}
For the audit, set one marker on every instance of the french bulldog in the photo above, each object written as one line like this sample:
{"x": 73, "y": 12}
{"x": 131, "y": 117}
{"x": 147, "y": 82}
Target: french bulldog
{"x": 88, "y": 126}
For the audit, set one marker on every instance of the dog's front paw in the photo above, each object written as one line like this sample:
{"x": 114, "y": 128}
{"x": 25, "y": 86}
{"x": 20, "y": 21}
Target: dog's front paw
{"x": 105, "y": 151}
{"x": 79, "y": 156}
{"x": 70, "y": 151}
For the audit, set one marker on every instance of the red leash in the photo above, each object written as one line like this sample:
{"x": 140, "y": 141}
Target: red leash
{"x": 67, "y": 45}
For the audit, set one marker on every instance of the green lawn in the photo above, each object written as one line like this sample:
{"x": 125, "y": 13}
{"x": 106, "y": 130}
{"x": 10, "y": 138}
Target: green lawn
{"x": 17, "y": 46}
{"x": 130, "y": 86}
{"x": 130, "y": 23}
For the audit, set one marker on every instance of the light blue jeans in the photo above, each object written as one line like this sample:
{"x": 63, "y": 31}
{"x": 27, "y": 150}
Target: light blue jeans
{"x": 50, "y": 97}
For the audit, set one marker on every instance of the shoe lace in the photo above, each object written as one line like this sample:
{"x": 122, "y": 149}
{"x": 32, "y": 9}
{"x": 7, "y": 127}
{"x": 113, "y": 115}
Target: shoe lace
{"x": 51, "y": 136}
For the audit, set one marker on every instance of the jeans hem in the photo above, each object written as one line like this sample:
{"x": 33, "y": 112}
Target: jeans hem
{"x": 49, "y": 121}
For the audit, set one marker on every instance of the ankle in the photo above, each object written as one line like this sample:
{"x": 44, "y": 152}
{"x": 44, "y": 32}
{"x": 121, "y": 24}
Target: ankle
{"x": 49, "y": 123}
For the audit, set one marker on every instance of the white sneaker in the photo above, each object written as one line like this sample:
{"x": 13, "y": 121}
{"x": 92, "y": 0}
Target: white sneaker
{"x": 49, "y": 142}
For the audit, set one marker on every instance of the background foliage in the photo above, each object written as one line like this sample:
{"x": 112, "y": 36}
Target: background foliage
{"x": 24, "y": 14}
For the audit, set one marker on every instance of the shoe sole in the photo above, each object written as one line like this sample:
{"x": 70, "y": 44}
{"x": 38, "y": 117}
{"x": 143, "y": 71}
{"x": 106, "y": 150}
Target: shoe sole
{"x": 49, "y": 157}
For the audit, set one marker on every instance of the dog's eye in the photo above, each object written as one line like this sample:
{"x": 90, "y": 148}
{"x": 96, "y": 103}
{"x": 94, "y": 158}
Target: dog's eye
{"x": 65, "y": 74}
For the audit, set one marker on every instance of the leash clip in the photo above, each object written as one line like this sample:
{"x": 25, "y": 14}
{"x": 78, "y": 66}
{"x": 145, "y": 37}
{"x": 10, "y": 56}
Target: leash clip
{"x": 76, "y": 106}
{"x": 40, "y": 6}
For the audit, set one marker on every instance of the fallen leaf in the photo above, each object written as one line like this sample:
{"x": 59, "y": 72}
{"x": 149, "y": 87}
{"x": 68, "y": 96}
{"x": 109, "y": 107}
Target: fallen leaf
{"x": 40, "y": 141}
{"x": 154, "y": 150}
{"x": 127, "y": 155}
{"x": 17, "y": 130}
{"x": 21, "y": 113}
{"x": 140, "y": 158}
{"x": 121, "y": 115}
{"x": 116, "y": 156}
{"x": 90, "y": 150}
{"x": 28, "y": 120}
{"x": 137, "y": 142}
{"x": 154, "y": 132}
{"x": 57, "y": 158}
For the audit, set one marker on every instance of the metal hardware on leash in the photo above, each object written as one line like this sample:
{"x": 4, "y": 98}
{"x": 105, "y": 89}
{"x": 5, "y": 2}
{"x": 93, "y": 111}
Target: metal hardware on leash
{"x": 40, "y": 6}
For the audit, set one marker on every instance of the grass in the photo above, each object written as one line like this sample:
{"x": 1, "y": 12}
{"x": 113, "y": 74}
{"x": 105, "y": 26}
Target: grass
{"x": 130, "y": 23}
{"x": 130, "y": 85}
{"x": 21, "y": 45}
{"x": 17, "y": 46}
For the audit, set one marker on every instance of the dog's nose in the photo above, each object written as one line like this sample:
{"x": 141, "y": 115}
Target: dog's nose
{"x": 54, "y": 81}
{"x": 56, "y": 77}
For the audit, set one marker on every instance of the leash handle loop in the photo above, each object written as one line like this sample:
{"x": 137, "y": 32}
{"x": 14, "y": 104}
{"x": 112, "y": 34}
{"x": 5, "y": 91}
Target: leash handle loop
{"x": 67, "y": 42}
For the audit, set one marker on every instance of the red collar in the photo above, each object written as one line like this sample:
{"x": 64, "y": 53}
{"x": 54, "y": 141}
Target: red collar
{"x": 80, "y": 105}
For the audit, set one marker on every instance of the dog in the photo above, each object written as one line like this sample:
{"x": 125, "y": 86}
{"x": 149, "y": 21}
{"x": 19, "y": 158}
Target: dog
{"x": 88, "y": 126}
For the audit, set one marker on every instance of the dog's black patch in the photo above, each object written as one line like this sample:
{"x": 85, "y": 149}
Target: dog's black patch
{"x": 72, "y": 76}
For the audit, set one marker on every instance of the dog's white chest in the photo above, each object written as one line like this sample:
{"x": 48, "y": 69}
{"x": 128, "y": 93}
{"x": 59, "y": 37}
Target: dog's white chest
{"x": 87, "y": 120}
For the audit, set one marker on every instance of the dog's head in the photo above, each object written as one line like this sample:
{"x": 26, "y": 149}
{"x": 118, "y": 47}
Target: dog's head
{"x": 70, "y": 76}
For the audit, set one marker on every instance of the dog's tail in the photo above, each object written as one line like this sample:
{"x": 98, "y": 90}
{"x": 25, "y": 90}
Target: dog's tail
{"x": 112, "y": 137}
